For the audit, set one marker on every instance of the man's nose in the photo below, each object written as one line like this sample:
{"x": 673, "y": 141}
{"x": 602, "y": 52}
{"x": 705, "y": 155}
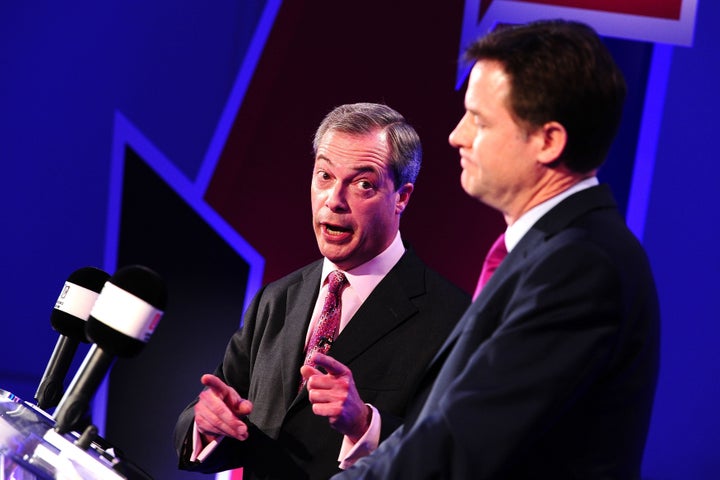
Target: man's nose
{"x": 336, "y": 199}
{"x": 457, "y": 136}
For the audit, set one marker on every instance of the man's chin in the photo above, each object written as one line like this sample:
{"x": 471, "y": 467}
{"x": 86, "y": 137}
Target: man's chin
{"x": 335, "y": 253}
{"x": 471, "y": 188}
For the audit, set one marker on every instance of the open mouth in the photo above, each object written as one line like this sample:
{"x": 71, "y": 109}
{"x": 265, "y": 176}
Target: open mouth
{"x": 336, "y": 230}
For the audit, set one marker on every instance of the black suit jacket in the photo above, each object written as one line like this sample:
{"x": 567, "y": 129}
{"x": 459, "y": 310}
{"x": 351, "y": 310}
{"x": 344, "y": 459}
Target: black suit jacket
{"x": 387, "y": 345}
{"x": 551, "y": 372}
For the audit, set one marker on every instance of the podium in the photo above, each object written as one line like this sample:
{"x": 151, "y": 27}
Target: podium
{"x": 31, "y": 449}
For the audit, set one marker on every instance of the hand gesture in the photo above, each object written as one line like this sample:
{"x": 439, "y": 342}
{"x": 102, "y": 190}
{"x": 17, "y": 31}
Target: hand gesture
{"x": 220, "y": 410}
{"x": 333, "y": 395}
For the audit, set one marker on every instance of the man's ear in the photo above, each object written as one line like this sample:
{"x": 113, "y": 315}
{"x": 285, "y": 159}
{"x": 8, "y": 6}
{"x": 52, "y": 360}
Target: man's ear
{"x": 404, "y": 193}
{"x": 554, "y": 138}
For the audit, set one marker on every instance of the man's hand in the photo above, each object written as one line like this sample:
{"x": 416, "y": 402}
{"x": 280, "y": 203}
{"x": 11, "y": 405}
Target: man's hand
{"x": 334, "y": 395}
{"x": 219, "y": 410}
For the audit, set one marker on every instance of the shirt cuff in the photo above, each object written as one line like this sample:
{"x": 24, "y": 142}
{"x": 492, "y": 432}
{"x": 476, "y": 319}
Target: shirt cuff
{"x": 198, "y": 452}
{"x": 352, "y": 452}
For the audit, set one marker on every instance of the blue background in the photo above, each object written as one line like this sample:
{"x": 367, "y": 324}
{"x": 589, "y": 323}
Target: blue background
{"x": 65, "y": 70}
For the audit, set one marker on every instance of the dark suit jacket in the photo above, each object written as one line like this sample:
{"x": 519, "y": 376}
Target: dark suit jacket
{"x": 551, "y": 372}
{"x": 387, "y": 345}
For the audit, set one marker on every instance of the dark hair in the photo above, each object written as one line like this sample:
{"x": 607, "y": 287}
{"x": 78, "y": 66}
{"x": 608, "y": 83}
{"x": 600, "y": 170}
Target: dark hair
{"x": 560, "y": 71}
{"x": 364, "y": 118}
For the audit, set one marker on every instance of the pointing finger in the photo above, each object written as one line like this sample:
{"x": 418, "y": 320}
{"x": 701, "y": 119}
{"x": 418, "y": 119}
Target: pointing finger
{"x": 214, "y": 384}
{"x": 332, "y": 366}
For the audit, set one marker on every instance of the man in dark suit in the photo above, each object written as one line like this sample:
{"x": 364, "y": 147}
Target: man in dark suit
{"x": 551, "y": 372}
{"x": 258, "y": 411}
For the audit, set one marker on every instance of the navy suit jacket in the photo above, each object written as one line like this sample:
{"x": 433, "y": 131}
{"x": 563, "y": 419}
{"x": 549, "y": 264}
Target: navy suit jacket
{"x": 387, "y": 345}
{"x": 551, "y": 372}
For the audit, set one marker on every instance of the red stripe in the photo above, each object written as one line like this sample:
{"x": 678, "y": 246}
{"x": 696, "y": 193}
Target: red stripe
{"x": 669, "y": 9}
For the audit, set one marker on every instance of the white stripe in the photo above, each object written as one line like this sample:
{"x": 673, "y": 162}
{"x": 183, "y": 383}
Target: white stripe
{"x": 76, "y": 300}
{"x": 126, "y": 313}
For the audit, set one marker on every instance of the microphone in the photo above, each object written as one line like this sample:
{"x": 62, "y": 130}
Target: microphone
{"x": 121, "y": 322}
{"x": 68, "y": 318}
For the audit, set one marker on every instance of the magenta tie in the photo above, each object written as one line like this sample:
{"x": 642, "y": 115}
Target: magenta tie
{"x": 497, "y": 253}
{"x": 327, "y": 325}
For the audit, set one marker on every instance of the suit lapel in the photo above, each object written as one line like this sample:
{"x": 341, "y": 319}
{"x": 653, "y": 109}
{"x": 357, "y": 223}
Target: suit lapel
{"x": 300, "y": 299}
{"x": 547, "y": 226}
{"x": 387, "y": 306}
{"x": 573, "y": 207}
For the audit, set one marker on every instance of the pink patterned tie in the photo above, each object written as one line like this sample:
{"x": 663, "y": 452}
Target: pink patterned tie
{"x": 497, "y": 253}
{"x": 327, "y": 325}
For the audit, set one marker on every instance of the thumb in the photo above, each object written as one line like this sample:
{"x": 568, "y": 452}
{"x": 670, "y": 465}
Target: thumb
{"x": 331, "y": 366}
{"x": 227, "y": 394}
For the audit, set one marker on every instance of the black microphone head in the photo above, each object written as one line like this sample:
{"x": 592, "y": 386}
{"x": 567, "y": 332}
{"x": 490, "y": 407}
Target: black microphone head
{"x": 127, "y": 311}
{"x": 73, "y": 306}
{"x": 143, "y": 283}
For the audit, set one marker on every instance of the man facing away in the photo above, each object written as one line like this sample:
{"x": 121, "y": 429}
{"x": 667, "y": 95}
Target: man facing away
{"x": 388, "y": 314}
{"x": 551, "y": 372}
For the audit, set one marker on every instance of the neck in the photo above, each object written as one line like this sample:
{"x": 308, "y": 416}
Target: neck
{"x": 554, "y": 182}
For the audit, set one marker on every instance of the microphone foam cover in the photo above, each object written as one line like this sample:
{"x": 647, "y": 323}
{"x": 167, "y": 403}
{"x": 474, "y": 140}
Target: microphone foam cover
{"x": 111, "y": 341}
{"x": 127, "y": 311}
{"x": 143, "y": 283}
{"x": 76, "y": 300}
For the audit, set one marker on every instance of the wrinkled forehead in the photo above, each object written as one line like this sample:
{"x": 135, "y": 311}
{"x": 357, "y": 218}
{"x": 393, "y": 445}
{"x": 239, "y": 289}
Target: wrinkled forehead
{"x": 351, "y": 149}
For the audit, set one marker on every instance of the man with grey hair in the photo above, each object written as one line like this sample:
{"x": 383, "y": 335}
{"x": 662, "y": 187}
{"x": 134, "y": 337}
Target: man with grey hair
{"x": 328, "y": 356}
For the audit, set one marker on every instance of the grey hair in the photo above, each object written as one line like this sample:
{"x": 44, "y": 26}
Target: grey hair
{"x": 365, "y": 118}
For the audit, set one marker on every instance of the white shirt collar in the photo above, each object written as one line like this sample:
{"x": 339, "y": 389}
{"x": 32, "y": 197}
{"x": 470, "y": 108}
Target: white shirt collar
{"x": 364, "y": 278}
{"x": 522, "y": 225}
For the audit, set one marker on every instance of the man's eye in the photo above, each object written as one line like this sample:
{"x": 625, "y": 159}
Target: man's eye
{"x": 365, "y": 185}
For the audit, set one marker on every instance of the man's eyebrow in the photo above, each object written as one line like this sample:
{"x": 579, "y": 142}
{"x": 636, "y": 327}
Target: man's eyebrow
{"x": 367, "y": 168}
{"x": 361, "y": 169}
{"x": 474, "y": 111}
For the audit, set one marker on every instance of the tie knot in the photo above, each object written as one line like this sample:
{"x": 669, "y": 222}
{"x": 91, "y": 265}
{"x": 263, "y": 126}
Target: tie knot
{"x": 498, "y": 251}
{"x": 336, "y": 280}
{"x": 495, "y": 256}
